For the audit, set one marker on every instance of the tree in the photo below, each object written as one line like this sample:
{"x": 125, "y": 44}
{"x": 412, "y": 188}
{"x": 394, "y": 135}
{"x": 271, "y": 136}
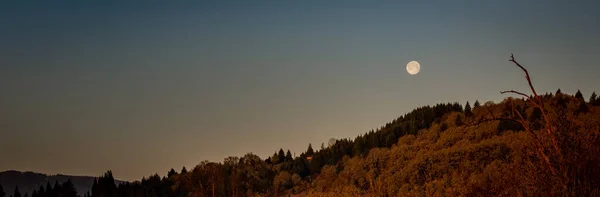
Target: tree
{"x": 281, "y": 155}
{"x": 275, "y": 158}
{"x": 41, "y": 191}
{"x": 578, "y": 95}
{"x": 183, "y": 170}
{"x": 105, "y": 186}
{"x": 171, "y": 173}
{"x": 476, "y": 104}
{"x": 593, "y": 98}
{"x": 558, "y": 92}
{"x": 56, "y": 189}
{"x": 468, "y": 111}
{"x": 288, "y": 156}
{"x": 310, "y": 151}
{"x": 48, "y": 189}
{"x": 2, "y": 193}
{"x": 17, "y": 193}
{"x": 68, "y": 189}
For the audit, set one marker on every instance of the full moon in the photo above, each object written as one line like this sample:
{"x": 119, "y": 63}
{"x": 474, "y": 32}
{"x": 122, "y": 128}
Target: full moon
{"x": 413, "y": 67}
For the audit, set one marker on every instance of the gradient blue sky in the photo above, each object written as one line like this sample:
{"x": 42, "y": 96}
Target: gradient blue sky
{"x": 140, "y": 88}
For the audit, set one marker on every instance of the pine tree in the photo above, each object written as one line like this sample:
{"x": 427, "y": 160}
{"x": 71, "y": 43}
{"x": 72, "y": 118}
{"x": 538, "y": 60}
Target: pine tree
{"x": 95, "y": 189}
{"x": 275, "y": 158}
{"x": 41, "y": 191}
{"x": 56, "y": 189}
{"x": 281, "y": 155}
{"x": 183, "y": 170}
{"x": 288, "y": 156}
{"x": 476, "y": 104}
{"x": 2, "y": 193}
{"x": 468, "y": 111}
{"x": 48, "y": 189}
{"x": 578, "y": 95}
{"x": 558, "y": 92}
{"x": 593, "y": 98}
{"x": 171, "y": 173}
{"x": 17, "y": 193}
{"x": 310, "y": 151}
{"x": 68, "y": 189}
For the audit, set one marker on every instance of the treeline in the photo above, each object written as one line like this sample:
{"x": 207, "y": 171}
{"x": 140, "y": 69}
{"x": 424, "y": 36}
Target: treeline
{"x": 282, "y": 174}
{"x": 66, "y": 189}
{"x": 428, "y": 151}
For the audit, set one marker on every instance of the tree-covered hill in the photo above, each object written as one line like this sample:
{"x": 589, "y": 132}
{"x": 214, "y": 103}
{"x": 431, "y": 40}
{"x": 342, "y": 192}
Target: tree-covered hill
{"x": 529, "y": 145}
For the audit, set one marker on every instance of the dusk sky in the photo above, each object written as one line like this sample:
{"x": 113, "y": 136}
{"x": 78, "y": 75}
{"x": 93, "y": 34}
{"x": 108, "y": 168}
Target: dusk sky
{"x": 140, "y": 88}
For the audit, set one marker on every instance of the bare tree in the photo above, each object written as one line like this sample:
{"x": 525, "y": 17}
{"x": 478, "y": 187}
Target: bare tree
{"x": 549, "y": 155}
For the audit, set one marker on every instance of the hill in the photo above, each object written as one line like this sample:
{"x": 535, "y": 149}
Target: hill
{"x": 534, "y": 145}
{"x": 28, "y": 181}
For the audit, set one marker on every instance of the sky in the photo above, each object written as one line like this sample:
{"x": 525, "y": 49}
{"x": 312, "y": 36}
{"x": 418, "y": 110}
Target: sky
{"x": 140, "y": 87}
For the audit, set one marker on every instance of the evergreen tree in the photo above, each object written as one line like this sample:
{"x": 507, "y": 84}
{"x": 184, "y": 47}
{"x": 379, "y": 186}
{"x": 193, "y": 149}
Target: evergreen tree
{"x": 183, "y": 170}
{"x": 41, "y": 191}
{"x": 288, "y": 156}
{"x": 171, "y": 173}
{"x": 281, "y": 155}
{"x": 310, "y": 151}
{"x": 275, "y": 158}
{"x": 68, "y": 189}
{"x": 56, "y": 189}
{"x": 578, "y": 95}
{"x": 106, "y": 186}
{"x": 476, "y": 104}
{"x": 558, "y": 92}
{"x": 48, "y": 189}
{"x": 593, "y": 98}
{"x": 95, "y": 187}
{"x": 17, "y": 193}
{"x": 2, "y": 192}
{"x": 468, "y": 111}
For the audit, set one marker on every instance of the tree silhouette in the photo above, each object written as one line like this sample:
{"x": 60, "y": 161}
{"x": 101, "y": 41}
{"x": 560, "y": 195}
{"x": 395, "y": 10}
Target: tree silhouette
{"x": 105, "y": 186}
{"x": 183, "y": 170}
{"x": 2, "y": 192}
{"x": 468, "y": 111}
{"x": 578, "y": 95}
{"x": 68, "y": 189}
{"x": 17, "y": 193}
{"x": 41, "y": 191}
{"x": 476, "y": 104}
{"x": 310, "y": 151}
{"x": 281, "y": 155}
{"x": 288, "y": 156}
{"x": 171, "y": 173}
{"x": 593, "y": 98}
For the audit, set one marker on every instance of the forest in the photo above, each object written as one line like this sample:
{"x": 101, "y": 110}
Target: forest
{"x": 527, "y": 145}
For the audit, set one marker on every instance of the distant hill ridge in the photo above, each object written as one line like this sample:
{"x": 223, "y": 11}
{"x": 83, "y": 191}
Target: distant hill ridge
{"x": 28, "y": 181}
